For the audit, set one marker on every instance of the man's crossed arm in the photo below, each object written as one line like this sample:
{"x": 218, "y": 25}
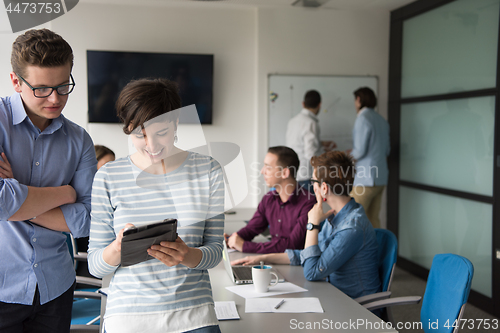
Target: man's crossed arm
{"x": 42, "y": 203}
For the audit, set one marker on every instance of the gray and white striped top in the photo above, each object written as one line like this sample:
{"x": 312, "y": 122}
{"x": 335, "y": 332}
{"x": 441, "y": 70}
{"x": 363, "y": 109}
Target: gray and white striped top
{"x": 194, "y": 195}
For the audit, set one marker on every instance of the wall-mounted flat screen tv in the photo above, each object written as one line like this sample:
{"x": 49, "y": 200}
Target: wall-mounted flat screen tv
{"x": 109, "y": 71}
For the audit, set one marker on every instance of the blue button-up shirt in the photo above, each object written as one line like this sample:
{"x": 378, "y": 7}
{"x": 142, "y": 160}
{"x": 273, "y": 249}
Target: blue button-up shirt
{"x": 63, "y": 154}
{"x": 371, "y": 147}
{"x": 346, "y": 254}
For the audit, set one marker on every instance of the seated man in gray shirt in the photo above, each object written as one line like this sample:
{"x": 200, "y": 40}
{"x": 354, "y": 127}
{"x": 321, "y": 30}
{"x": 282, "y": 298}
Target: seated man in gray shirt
{"x": 284, "y": 209}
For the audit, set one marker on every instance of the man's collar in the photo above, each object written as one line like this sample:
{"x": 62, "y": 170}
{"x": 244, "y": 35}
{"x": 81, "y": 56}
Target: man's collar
{"x": 18, "y": 112}
{"x": 55, "y": 125}
{"x": 19, "y": 115}
{"x": 309, "y": 113}
{"x": 292, "y": 198}
{"x": 363, "y": 110}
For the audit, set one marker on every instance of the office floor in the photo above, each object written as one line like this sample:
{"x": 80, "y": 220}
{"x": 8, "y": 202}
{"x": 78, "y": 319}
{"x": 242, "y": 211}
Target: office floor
{"x": 406, "y": 284}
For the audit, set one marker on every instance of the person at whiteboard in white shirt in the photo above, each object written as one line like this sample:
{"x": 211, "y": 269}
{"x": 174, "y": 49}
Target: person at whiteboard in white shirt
{"x": 302, "y": 135}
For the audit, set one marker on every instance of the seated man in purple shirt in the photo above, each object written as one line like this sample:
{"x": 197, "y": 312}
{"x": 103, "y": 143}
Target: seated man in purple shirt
{"x": 284, "y": 210}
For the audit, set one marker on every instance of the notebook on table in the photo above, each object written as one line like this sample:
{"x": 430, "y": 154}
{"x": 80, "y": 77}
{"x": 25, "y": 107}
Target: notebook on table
{"x": 242, "y": 274}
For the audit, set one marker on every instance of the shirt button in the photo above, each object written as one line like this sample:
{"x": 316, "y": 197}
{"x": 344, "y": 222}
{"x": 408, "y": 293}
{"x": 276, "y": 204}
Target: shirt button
{"x": 37, "y": 163}
{"x": 279, "y": 220}
{"x": 321, "y": 269}
{"x": 34, "y": 240}
{"x": 282, "y": 206}
{"x": 35, "y": 265}
{"x": 277, "y": 235}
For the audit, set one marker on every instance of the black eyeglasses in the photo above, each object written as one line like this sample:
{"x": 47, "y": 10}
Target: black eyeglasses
{"x": 315, "y": 181}
{"x": 41, "y": 92}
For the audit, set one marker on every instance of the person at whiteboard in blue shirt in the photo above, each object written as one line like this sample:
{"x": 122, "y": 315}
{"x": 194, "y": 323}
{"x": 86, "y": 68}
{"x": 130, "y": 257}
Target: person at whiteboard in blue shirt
{"x": 303, "y": 136}
{"x": 371, "y": 147}
{"x": 340, "y": 245}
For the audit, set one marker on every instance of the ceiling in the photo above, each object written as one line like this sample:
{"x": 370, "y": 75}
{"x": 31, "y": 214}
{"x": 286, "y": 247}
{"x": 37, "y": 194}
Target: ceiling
{"x": 387, "y": 5}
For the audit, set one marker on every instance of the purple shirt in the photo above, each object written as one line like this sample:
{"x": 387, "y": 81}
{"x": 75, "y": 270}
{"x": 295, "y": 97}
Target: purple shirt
{"x": 286, "y": 220}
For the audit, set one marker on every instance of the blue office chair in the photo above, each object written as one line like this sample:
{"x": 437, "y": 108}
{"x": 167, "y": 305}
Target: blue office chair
{"x": 86, "y": 313}
{"x": 387, "y": 257}
{"x": 446, "y": 293}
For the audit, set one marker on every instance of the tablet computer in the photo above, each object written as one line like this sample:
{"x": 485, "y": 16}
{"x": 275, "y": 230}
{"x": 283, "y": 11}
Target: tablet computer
{"x": 137, "y": 240}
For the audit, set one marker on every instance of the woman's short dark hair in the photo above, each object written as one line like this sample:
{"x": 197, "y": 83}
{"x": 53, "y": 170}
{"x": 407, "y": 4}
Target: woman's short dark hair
{"x": 145, "y": 99}
{"x": 366, "y": 97}
{"x": 101, "y": 151}
{"x": 287, "y": 158}
{"x": 337, "y": 169}
{"x": 312, "y": 99}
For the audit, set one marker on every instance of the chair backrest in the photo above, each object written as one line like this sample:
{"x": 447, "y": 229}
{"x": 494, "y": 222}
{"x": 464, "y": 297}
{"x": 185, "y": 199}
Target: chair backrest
{"x": 70, "y": 241}
{"x": 387, "y": 256}
{"x": 446, "y": 292}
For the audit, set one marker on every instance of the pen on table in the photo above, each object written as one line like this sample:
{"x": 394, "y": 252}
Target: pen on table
{"x": 279, "y": 304}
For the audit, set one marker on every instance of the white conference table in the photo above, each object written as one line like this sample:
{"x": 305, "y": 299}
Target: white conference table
{"x": 341, "y": 313}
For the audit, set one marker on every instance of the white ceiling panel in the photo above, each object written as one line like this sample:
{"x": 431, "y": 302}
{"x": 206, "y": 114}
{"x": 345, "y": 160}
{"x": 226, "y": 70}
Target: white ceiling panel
{"x": 330, "y": 4}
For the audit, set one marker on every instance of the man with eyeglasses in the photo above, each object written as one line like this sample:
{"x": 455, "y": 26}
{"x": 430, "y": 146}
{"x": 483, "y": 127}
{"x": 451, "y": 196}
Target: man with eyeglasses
{"x": 47, "y": 166}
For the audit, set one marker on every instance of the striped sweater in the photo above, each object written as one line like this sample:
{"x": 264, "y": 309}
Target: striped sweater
{"x": 194, "y": 195}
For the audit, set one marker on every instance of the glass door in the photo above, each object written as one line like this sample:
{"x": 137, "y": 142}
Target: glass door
{"x": 442, "y": 109}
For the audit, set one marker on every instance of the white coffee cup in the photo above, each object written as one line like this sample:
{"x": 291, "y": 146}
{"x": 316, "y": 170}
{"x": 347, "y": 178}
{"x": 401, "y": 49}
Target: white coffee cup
{"x": 261, "y": 276}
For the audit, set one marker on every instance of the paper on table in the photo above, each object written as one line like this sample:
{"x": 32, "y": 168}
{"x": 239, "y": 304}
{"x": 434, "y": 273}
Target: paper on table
{"x": 226, "y": 310}
{"x": 291, "y": 305}
{"x": 248, "y": 290}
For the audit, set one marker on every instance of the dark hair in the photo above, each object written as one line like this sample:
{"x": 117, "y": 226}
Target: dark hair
{"x": 145, "y": 99}
{"x": 101, "y": 151}
{"x": 366, "y": 97}
{"x": 287, "y": 158}
{"x": 312, "y": 99}
{"x": 337, "y": 169}
{"x": 42, "y": 48}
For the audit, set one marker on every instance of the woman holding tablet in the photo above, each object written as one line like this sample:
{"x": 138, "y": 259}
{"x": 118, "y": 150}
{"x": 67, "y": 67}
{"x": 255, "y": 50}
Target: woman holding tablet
{"x": 341, "y": 245}
{"x": 171, "y": 292}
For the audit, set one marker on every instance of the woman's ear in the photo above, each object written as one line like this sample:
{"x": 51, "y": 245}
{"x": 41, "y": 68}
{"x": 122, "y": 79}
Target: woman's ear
{"x": 324, "y": 189}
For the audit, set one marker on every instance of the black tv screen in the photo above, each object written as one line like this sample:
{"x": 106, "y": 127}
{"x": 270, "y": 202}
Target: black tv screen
{"x": 109, "y": 71}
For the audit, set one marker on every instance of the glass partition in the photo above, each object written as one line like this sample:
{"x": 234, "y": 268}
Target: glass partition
{"x": 449, "y": 144}
{"x": 431, "y": 223}
{"x": 452, "y": 48}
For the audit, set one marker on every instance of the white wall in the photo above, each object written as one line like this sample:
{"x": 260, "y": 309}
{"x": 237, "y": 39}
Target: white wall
{"x": 6, "y": 40}
{"x": 248, "y": 44}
